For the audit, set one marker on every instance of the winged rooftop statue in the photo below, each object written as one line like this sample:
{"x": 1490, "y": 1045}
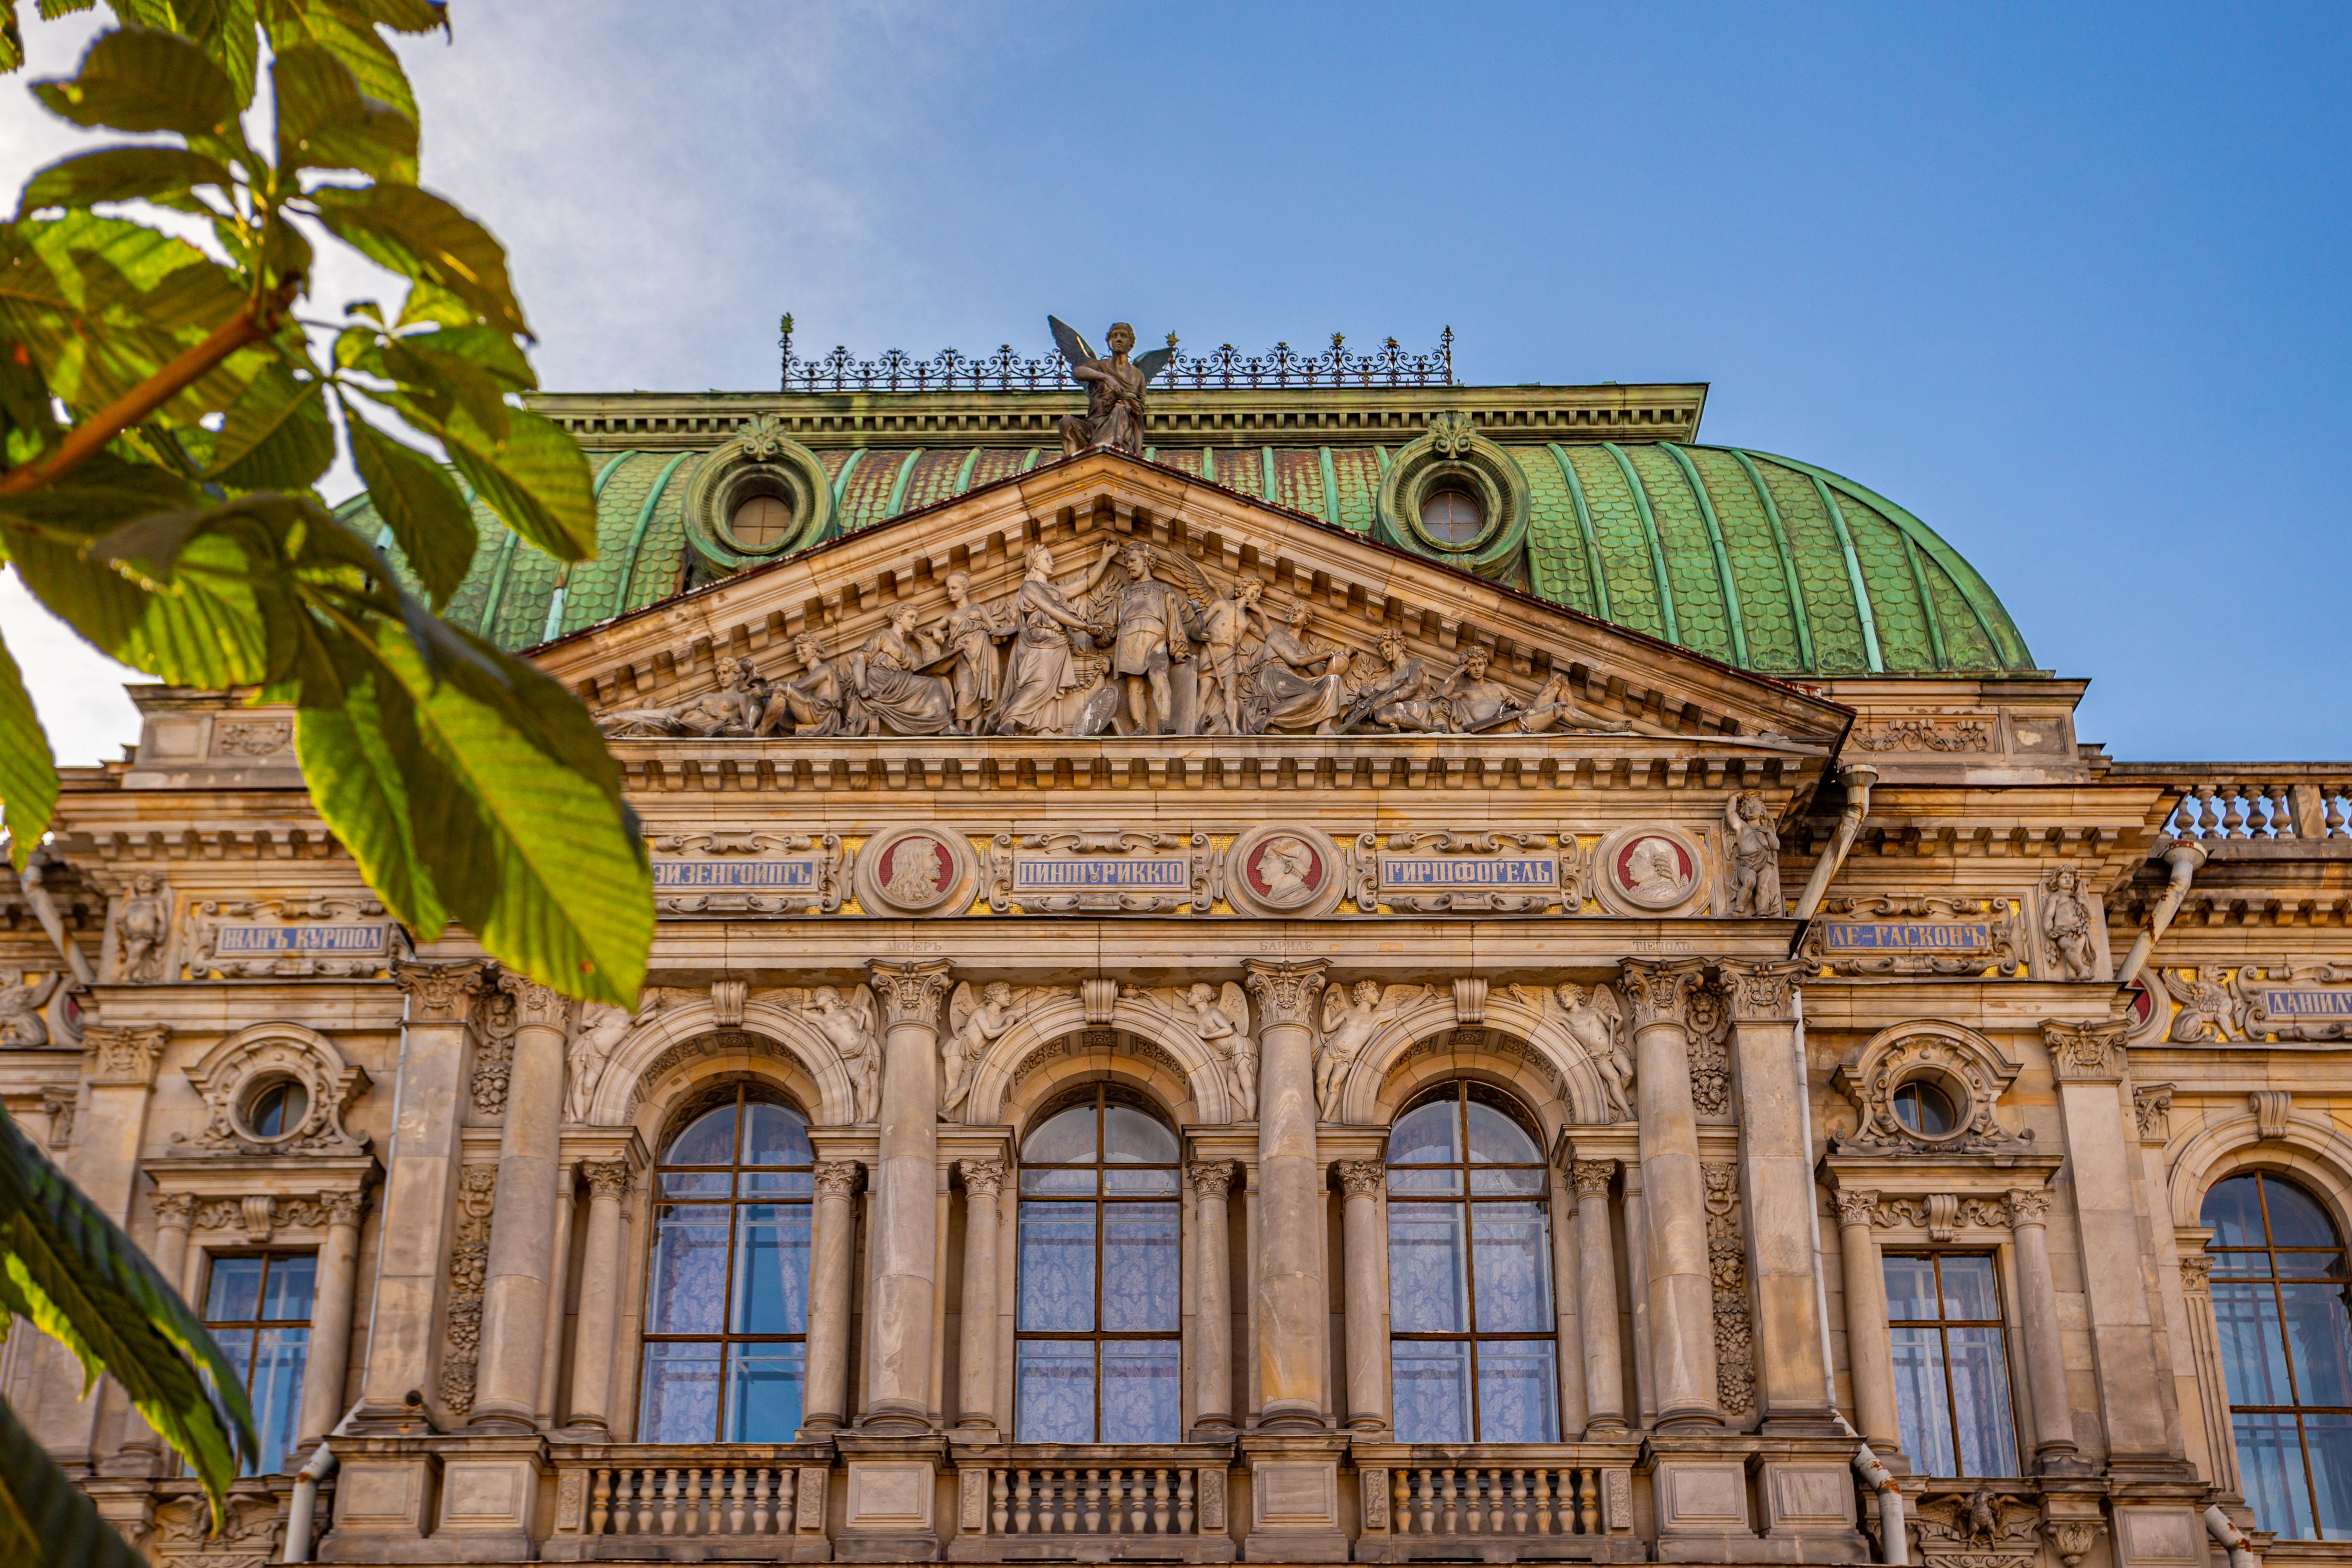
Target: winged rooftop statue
{"x": 1115, "y": 388}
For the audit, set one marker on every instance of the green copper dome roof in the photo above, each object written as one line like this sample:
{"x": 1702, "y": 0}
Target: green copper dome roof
{"x": 1761, "y": 561}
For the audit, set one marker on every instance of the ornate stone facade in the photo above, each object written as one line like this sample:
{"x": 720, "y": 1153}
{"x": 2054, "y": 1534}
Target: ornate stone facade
{"x": 1278, "y": 823}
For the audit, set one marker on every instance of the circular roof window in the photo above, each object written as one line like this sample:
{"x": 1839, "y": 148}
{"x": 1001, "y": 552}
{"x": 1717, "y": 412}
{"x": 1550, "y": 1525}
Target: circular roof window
{"x": 1452, "y": 516}
{"x": 1925, "y": 1110}
{"x": 760, "y": 522}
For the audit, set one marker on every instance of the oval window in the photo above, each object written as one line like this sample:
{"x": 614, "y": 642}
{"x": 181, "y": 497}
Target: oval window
{"x": 279, "y": 1109}
{"x": 1925, "y": 1110}
{"x": 760, "y": 522}
{"x": 1450, "y": 515}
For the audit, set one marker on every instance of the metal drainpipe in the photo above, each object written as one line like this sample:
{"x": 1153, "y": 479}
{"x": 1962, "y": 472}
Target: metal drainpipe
{"x": 303, "y": 1511}
{"x": 45, "y": 909}
{"x": 1894, "y": 1548}
{"x": 1857, "y": 778}
{"x": 2185, "y": 857}
{"x": 2233, "y": 1538}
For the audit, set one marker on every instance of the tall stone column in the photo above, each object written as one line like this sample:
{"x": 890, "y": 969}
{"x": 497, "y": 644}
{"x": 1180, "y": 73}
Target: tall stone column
{"x": 832, "y": 1264}
{"x": 1368, "y": 1358}
{"x": 982, "y": 1180}
{"x": 602, "y": 1267}
{"x": 550, "y": 1346}
{"x": 1291, "y": 1300}
{"x": 1212, "y": 1372}
{"x": 404, "y": 1351}
{"x": 1596, "y": 1284}
{"x": 1637, "y": 1290}
{"x": 2212, "y": 1382}
{"x": 1776, "y": 1172}
{"x": 175, "y": 1216}
{"x": 2045, "y": 1351}
{"x": 334, "y": 1288}
{"x": 1568, "y": 1299}
{"x": 1869, "y": 1351}
{"x": 905, "y": 1222}
{"x": 2135, "y": 1375}
{"x": 1681, "y": 1281}
{"x": 521, "y": 1263}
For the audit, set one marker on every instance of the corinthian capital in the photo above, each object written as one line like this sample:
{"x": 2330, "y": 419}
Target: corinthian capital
{"x": 1211, "y": 1178}
{"x": 2029, "y": 1205}
{"x": 608, "y": 1178}
{"x": 536, "y": 1005}
{"x": 983, "y": 1178}
{"x": 839, "y": 1178}
{"x": 124, "y": 1054}
{"x": 1660, "y": 990}
{"x": 1591, "y": 1177}
{"x": 909, "y": 992}
{"x": 1284, "y": 992}
{"x": 1761, "y": 992}
{"x": 2083, "y": 1053}
{"x": 1362, "y": 1178}
{"x": 439, "y": 992}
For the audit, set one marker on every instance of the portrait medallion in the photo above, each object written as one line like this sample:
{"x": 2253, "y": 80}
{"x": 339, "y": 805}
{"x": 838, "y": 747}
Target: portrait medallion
{"x": 1654, "y": 870}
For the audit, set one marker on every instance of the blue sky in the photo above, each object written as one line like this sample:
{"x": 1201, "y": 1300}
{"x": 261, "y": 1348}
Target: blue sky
{"x": 2068, "y": 282}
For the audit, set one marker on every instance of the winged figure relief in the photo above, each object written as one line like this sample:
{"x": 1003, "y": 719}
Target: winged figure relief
{"x": 1351, "y": 1016}
{"x": 2204, "y": 997}
{"x": 1221, "y": 1017}
{"x": 1115, "y": 388}
{"x": 1594, "y": 1017}
{"x": 847, "y": 1020}
{"x": 976, "y": 1018}
{"x": 602, "y": 1027}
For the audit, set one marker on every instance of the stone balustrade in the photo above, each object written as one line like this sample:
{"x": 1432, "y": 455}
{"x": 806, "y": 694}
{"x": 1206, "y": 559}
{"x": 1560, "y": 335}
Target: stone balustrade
{"x": 2288, "y": 804}
{"x": 1496, "y": 1504}
{"x": 1091, "y": 1503}
{"x": 671, "y": 1503}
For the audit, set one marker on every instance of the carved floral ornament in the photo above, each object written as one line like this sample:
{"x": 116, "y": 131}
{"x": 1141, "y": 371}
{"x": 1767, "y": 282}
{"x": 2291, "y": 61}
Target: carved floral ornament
{"x": 1961, "y": 1066}
{"x": 313, "y": 1084}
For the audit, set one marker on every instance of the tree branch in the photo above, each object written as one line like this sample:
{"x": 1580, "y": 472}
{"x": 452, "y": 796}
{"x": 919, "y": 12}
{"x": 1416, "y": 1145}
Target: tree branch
{"x": 253, "y": 324}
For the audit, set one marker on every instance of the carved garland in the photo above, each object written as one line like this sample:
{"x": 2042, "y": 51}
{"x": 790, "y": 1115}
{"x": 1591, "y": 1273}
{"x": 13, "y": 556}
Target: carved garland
{"x": 1735, "y": 1338}
{"x": 469, "y": 1258}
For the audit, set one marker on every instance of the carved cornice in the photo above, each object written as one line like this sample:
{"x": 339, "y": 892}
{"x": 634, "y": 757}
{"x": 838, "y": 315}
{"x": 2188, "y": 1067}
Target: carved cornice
{"x": 124, "y": 1054}
{"x": 606, "y": 1178}
{"x": 440, "y": 993}
{"x": 1362, "y": 1178}
{"x": 839, "y": 1178}
{"x": 983, "y": 1178}
{"x": 909, "y": 992}
{"x": 1284, "y": 992}
{"x": 2085, "y": 1053}
{"x": 1591, "y": 1177}
{"x": 1761, "y": 992}
{"x": 1212, "y": 1178}
{"x": 537, "y": 1006}
{"x": 1659, "y": 991}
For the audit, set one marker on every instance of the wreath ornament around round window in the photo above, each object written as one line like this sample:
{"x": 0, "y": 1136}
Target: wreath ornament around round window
{"x": 1455, "y": 496}
{"x": 759, "y": 497}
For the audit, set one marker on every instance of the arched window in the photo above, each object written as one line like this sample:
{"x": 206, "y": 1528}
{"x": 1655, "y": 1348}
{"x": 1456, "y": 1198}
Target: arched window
{"x": 2279, "y": 1283}
{"x": 1097, "y": 1342}
{"x": 1471, "y": 1353}
{"x": 727, "y": 1292}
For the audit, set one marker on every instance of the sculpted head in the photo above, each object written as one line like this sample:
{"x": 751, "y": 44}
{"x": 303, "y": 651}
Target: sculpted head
{"x": 1366, "y": 993}
{"x": 1040, "y": 563}
{"x": 1249, "y": 591}
{"x": 1121, "y": 337}
{"x": 1301, "y": 614}
{"x": 1570, "y": 996}
{"x": 825, "y": 999}
{"x": 959, "y": 586}
{"x": 1200, "y": 998}
{"x": 902, "y": 617}
{"x": 1392, "y": 646}
{"x": 1475, "y": 661}
{"x": 1135, "y": 556}
{"x": 810, "y": 651}
{"x": 997, "y": 994}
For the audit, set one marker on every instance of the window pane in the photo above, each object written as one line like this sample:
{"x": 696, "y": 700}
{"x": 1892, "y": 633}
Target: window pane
{"x": 2328, "y": 1265}
{"x": 1054, "y": 1388}
{"x": 1140, "y": 1399}
{"x": 2270, "y": 1465}
{"x": 1986, "y": 1441}
{"x": 1139, "y": 1293}
{"x": 2296, "y": 1218}
{"x": 1445, "y": 1180}
{"x": 1496, "y": 1140}
{"x": 2253, "y": 1356}
{"x": 775, "y": 1184}
{"x": 711, "y": 1140}
{"x": 771, "y": 1265}
{"x": 2233, "y": 1209}
{"x": 763, "y": 1393}
{"x": 774, "y": 1135}
{"x": 1495, "y": 1182}
{"x": 1910, "y": 1288}
{"x": 280, "y": 1356}
{"x": 1919, "y": 1400}
{"x": 1140, "y": 1183}
{"x": 1967, "y": 1290}
{"x": 1431, "y": 1381}
{"x": 1058, "y": 1268}
{"x": 2329, "y": 1441}
{"x": 1058, "y": 1183}
{"x": 1133, "y": 1138}
{"x": 694, "y": 1183}
{"x": 1067, "y": 1139}
{"x": 1428, "y": 1277}
{"x": 1426, "y": 1137}
{"x": 236, "y": 1293}
{"x": 1512, "y": 1249}
{"x": 285, "y": 1294}
{"x": 680, "y": 1404}
{"x": 236, "y": 1344}
{"x": 2317, "y": 1332}
{"x": 690, "y": 1272}
{"x": 1518, "y": 1381}
{"x": 2244, "y": 1264}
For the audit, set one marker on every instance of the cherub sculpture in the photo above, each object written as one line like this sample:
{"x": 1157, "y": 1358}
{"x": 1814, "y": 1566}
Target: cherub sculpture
{"x": 2066, "y": 922}
{"x": 974, "y": 1024}
{"x": 602, "y": 1027}
{"x": 1221, "y": 1020}
{"x": 21, "y": 1024}
{"x": 847, "y": 1024}
{"x": 1351, "y": 1016}
{"x": 1595, "y": 1020}
{"x": 1755, "y": 856}
{"x": 1115, "y": 388}
{"x": 140, "y": 929}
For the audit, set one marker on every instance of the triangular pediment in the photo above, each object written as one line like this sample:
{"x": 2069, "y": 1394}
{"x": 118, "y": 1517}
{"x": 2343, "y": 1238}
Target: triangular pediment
{"x": 847, "y": 620}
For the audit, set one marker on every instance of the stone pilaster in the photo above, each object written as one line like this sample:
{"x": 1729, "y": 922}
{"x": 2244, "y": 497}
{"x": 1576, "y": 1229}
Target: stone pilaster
{"x": 905, "y": 1220}
{"x": 601, "y": 1269}
{"x": 1368, "y": 1359}
{"x": 1292, "y": 1303}
{"x": 1212, "y": 1374}
{"x": 982, "y": 1180}
{"x": 2045, "y": 1353}
{"x": 1869, "y": 1350}
{"x": 832, "y": 1263}
{"x": 1681, "y": 1280}
{"x": 334, "y": 1291}
{"x": 521, "y": 1269}
{"x": 1596, "y": 1283}
{"x": 1776, "y": 1174}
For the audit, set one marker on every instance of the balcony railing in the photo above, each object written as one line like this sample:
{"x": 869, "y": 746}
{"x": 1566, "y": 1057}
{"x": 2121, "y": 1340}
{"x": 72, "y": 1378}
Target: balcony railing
{"x": 676, "y": 1503}
{"x": 1498, "y": 1504}
{"x": 1093, "y": 1503}
{"x": 2282, "y": 803}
